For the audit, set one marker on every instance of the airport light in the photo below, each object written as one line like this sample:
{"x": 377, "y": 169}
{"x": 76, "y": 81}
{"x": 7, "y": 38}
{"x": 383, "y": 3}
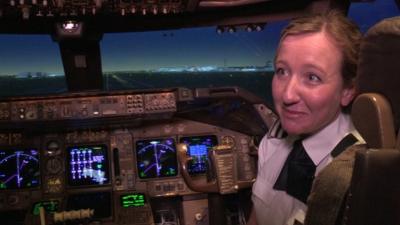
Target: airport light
{"x": 220, "y": 30}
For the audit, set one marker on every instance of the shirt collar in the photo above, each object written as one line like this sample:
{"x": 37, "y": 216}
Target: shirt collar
{"x": 319, "y": 145}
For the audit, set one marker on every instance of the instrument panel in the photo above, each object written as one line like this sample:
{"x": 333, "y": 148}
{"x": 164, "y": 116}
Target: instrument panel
{"x": 120, "y": 168}
{"x": 112, "y": 174}
{"x": 68, "y": 108}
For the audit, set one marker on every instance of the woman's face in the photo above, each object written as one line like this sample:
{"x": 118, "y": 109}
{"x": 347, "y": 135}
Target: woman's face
{"x": 307, "y": 87}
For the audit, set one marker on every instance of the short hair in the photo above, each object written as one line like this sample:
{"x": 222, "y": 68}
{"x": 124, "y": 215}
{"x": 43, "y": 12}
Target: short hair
{"x": 344, "y": 32}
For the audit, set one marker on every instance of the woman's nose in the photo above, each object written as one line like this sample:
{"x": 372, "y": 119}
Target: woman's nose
{"x": 291, "y": 91}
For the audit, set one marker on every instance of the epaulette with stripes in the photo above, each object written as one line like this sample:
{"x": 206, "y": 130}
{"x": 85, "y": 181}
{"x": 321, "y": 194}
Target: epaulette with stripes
{"x": 276, "y": 130}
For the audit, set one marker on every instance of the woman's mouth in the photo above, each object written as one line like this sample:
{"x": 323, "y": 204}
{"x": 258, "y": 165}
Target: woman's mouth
{"x": 292, "y": 114}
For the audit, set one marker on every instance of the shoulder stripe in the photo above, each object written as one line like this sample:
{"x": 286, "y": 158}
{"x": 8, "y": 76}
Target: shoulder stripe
{"x": 276, "y": 130}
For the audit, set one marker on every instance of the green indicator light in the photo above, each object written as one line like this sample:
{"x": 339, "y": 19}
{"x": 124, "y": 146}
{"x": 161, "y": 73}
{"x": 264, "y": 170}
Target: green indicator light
{"x": 49, "y": 206}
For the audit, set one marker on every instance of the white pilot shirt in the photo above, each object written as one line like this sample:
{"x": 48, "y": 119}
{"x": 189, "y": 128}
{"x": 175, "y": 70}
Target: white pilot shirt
{"x": 274, "y": 207}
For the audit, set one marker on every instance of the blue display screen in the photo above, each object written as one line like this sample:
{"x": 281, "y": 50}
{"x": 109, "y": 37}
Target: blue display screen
{"x": 88, "y": 165}
{"x": 19, "y": 168}
{"x": 156, "y": 158}
{"x": 198, "y": 147}
{"x": 198, "y": 150}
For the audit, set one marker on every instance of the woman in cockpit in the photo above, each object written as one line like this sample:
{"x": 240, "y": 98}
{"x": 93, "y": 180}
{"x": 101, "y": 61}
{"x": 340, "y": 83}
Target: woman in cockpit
{"x": 313, "y": 87}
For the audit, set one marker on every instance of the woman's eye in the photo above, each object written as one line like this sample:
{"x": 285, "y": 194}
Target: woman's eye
{"x": 280, "y": 71}
{"x": 314, "y": 78}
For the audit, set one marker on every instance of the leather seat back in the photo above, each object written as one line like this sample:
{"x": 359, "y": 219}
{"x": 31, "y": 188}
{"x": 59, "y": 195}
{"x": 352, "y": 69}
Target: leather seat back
{"x": 374, "y": 195}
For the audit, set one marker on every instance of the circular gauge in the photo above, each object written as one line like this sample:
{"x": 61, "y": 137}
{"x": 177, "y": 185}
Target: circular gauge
{"x": 19, "y": 169}
{"x": 156, "y": 158}
{"x": 53, "y": 165}
{"x": 31, "y": 114}
{"x": 228, "y": 140}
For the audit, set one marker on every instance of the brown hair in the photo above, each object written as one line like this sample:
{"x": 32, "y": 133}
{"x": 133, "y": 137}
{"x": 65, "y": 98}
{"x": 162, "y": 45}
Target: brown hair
{"x": 345, "y": 33}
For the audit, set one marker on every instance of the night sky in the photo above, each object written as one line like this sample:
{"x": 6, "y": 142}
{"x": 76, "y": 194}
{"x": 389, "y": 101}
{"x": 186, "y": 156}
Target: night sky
{"x": 175, "y": 48}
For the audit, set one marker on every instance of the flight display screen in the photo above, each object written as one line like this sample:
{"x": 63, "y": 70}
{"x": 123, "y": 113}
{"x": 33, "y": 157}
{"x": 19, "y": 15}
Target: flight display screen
{"x": 198, "y": 147}
{"x": 156, "y": 158}
{"x": 19, "y": 168}
{"x": 132, "y": 200}
{"x": 88, "y": 165}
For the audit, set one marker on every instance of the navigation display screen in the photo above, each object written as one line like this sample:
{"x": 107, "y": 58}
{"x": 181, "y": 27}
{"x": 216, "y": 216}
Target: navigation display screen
{"x": 156, "y": 158}
{"x": 88, "y": 165}
{"x": 19, "y": 168}
{"x": 198, "y": 147}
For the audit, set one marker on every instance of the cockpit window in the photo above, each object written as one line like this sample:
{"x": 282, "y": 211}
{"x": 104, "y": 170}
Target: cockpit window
{"x": 190, "y": 57}
{"x": 195, "y": 57}
{"x": 366, "y": 14}
{"x": 30, "y": 65}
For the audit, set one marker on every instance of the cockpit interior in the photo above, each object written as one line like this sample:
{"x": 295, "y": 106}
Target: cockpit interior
{"x": 164, "y": 145}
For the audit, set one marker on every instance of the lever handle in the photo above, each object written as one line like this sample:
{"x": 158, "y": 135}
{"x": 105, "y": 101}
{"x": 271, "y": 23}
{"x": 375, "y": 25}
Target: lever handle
{"x": 195, "y": 185}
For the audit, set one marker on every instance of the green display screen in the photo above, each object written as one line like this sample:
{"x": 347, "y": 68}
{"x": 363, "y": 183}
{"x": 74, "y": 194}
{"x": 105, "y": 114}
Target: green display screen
{"x": 50, "y": 206}
{"x": 132, "y": 200}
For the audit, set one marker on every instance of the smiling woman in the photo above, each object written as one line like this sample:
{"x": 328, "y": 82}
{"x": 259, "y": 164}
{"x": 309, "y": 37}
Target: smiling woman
{"x": 310, "y": 88}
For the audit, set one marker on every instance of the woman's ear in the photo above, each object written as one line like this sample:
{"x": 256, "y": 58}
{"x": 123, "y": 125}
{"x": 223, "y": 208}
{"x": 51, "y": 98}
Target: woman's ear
{"x": 348, "y": 94}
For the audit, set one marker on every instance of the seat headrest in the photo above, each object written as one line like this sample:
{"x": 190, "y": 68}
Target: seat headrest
{"x": 373, "y": 118}
{"x": 379, "y": 63}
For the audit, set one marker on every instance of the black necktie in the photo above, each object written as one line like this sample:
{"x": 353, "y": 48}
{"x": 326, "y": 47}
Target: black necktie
{"x": 297, "y": 174}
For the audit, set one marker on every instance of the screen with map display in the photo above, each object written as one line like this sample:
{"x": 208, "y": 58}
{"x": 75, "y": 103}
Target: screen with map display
{"x": 156, "y": 158}
{"x": 19, "y": 168}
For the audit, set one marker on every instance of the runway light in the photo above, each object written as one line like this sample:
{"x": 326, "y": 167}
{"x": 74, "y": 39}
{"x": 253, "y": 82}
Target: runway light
{"x": 259, "y": 27}
{"x": 220, "y": 30}
{"x": 250, "y": 28}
